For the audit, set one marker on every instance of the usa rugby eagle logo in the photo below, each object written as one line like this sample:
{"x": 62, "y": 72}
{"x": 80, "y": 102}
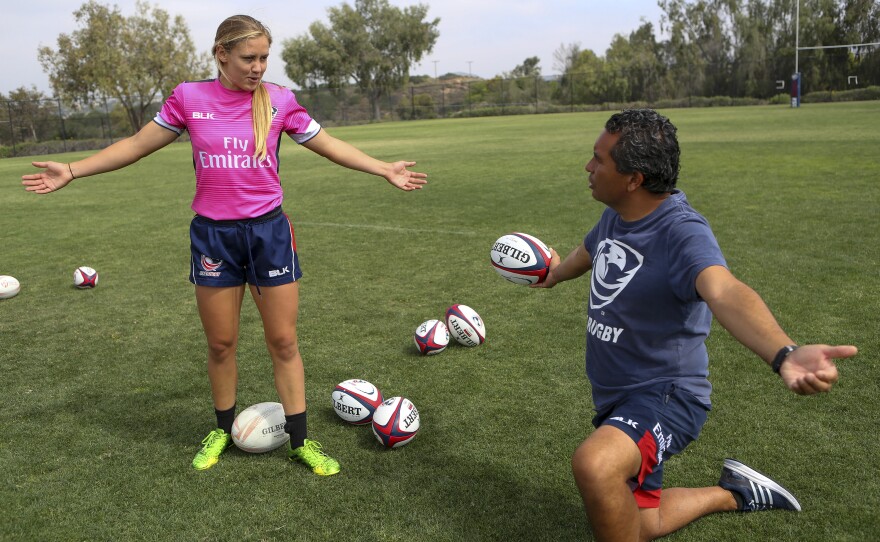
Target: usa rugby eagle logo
{"x": 210, "y": 264}
{"x": 614, "y": 266}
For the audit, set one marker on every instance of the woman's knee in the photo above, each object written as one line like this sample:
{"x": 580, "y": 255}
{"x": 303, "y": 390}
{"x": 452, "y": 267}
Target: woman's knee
{"x": 283, "y": 347}
{"x": 221, "y": 349}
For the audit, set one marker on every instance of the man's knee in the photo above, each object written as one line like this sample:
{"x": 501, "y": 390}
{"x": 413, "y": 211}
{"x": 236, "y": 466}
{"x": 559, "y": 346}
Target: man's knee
{"x": 608, "y": 457}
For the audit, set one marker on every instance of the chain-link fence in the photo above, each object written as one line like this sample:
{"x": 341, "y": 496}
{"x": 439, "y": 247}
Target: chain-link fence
{"x": 34, "y": 127}
{"x": 30, "y": 127}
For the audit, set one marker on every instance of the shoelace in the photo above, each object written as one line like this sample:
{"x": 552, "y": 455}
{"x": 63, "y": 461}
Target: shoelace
{"x": 312, "y": 452}
{"x": 211, "y": 439}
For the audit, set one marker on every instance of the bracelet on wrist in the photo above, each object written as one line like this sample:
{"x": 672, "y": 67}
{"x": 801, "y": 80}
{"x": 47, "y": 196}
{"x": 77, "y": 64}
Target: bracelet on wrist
{"x": 70, "y": 169}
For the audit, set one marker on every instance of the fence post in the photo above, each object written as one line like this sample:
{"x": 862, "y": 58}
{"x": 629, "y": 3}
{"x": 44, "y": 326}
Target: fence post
{"x": 412, "y": 102}
{"x": 109, "y": 122}
{"x": 63, "y": 132}
{"x": 11, "y": 127}
{"x": 536, "y": 94}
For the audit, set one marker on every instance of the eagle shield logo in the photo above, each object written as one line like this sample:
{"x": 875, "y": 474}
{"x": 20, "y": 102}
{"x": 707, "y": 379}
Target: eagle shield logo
{"x": 210, "y": 264}
{"x": 614, "y": 266}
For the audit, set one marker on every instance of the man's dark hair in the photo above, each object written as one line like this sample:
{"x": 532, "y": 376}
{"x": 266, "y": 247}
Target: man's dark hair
{"x": 647, "y": 144}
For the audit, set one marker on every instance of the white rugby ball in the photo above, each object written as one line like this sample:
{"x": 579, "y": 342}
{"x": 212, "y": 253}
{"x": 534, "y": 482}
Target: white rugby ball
{"x": 520, "y": 258}
{"x": 260, "y": 428}
{"x": 396, "y": 422}
{"x": 465, "y": 325}
{"x": 9, "y": 287}
{"x": 431, "y": 337}
{"x": 85, "y": 277}
{"x": 356, "y": 400}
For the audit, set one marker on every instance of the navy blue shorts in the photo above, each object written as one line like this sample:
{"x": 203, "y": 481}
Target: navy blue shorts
{"x": 662, "y": 421}
{"x": 259, "y": 251}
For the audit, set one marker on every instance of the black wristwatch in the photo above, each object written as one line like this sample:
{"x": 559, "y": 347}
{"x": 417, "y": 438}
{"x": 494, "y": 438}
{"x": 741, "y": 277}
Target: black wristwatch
{"x": 781, "y": 355}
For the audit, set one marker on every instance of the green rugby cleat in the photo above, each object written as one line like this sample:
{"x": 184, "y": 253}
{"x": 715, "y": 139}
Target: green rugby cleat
{"x": 214, "y": 444}
{"x": 310, "y": 453}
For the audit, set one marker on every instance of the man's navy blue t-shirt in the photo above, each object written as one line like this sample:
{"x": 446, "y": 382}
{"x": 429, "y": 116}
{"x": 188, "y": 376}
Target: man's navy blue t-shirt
{"x": 646, "y": 323}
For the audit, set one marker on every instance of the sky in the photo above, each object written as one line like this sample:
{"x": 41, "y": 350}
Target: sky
{"x": 484, "y": 38}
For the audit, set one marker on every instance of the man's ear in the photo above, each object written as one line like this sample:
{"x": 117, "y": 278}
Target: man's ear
{"x": 636, "y": 179}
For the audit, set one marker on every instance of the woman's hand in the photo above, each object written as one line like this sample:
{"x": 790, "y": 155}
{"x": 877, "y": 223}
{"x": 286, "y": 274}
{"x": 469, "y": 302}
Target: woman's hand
{"x": 405, "y": 179}
{"x": 54, "y": 176}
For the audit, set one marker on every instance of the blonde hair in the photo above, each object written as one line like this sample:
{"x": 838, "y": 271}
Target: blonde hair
{"x": 230, "y": 33}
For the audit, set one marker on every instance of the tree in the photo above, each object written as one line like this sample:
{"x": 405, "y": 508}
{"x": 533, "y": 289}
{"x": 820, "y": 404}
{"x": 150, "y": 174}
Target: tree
{"x": 861, "y": 24}
{"x": 529, "y": 68}
{"x": 372, "y": 43}
{"x": 582, "y": 75}
{"x": 134, "y": 60}
{"x": 565, "y": 56}
{"x": 753, "y": 46}
{"x": 637, "y": 61}
{"x": 704, "y": 26}
{"x": 30, "y": 114}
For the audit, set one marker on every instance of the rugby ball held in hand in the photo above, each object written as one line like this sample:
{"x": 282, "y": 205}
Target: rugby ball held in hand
{"x": 431, "y": 337}
{"x": 465, "y": 325}
{"x": 9, "y": 287}
{"x": 260, "y": 428}
{"x": 520, "y": 258}
{"x": 356, "y": 400}
{"x": 396, "y": 422}
{"x": 85, "y": 277}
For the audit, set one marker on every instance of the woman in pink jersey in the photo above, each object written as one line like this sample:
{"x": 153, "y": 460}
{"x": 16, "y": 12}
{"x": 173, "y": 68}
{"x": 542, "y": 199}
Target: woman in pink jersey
{"x": 240, "y": 235}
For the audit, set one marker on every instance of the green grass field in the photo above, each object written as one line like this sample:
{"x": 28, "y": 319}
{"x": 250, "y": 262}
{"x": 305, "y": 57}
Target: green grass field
{"x": 105, "y": 396}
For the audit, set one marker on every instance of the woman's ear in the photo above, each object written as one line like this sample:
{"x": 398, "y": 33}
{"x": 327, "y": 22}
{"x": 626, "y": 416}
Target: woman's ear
{"x": 220, "y": 54}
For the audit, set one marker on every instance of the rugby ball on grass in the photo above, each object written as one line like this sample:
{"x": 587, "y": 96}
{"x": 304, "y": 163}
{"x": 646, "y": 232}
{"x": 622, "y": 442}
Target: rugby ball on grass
{"x": 520, "y": 258}
{"x": 465, "y": 325}
{"x": 431, "y": 337}
{"x": 356, "y": 400}
{"x": 9, "y": 287}
{"x": 396, "y": 422}
{"x": 85, "y": 277}
{"x": 260, "y": 428}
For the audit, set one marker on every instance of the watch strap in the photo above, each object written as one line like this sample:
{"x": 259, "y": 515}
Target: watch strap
{"x": 781, "y": 355}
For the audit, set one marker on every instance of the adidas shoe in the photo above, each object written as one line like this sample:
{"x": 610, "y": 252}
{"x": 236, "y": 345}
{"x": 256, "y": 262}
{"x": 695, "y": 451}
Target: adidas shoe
{"x": 214, "y": 444}
{"x": 311, "y": 454}
{"x": 756, "y": 491}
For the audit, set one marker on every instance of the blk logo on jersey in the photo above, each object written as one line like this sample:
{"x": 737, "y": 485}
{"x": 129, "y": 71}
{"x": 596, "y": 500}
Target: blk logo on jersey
{"x": 210, "y": 267}
{"x": 614, "y": 266}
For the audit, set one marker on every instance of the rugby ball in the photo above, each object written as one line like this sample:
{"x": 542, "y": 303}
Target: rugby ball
{"x": 260, "y": 428}
{"x": 356, "y": 400}
{"x": 9, "y": 287}
{"x": 431, "y": 337}
{"x": 520, "y": 258}
{"x": 396, "y": 422}
{"x": 465, "y": 325}
{"x": 85, "y": 277}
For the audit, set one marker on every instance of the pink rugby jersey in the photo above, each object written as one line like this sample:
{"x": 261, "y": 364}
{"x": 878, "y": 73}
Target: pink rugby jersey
{"x": 231, "y": 183}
